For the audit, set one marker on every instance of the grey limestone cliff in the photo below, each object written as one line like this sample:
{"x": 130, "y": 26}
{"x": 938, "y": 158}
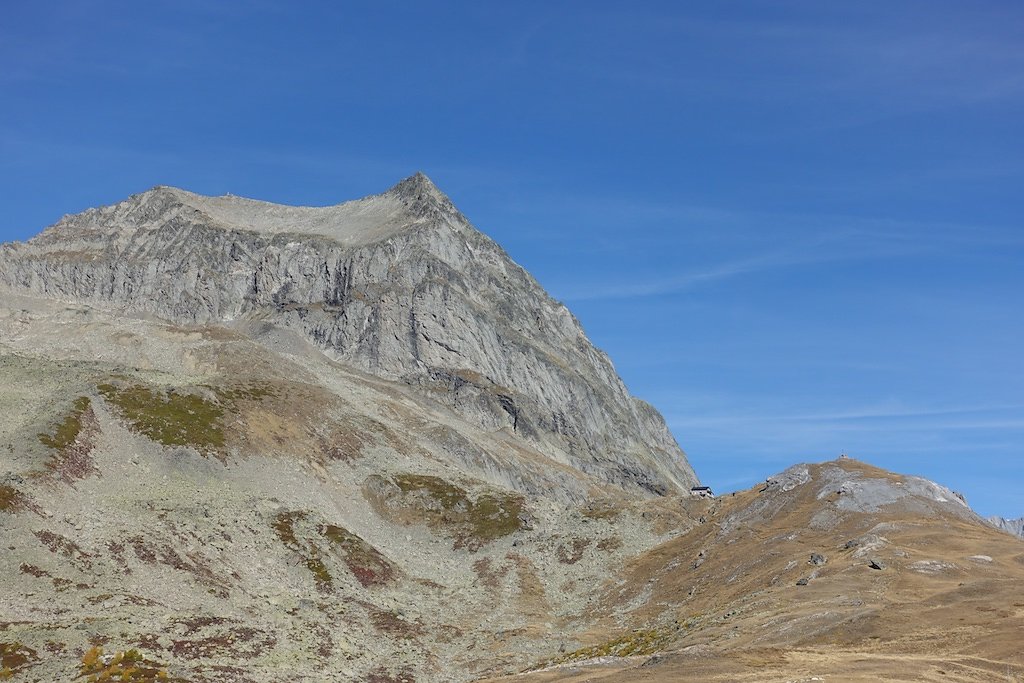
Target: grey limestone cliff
{"x": 1010, "y": 526}
{"x": 399, "y": 285}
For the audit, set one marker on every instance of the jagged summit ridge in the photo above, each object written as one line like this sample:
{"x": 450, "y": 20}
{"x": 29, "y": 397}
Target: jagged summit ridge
{"x": 398, "y": 284}
{"x": 409, "y": 204}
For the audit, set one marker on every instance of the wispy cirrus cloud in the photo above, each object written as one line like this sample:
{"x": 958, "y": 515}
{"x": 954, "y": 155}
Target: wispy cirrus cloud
{"x": 846, "y": 69}
{"x": 1007, "y": 416}
{"x": 691, "y": 279}
{"x": 826, "y": 248}
{"x": 716, "y": 244}
{"x": 884, "y": 429}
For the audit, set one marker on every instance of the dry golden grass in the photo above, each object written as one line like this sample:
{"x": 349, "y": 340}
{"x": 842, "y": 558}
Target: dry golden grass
{"x": 932, "y": 614}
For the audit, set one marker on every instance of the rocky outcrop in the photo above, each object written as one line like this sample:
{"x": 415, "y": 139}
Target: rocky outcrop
{"x": 1010, "y": 526}
{"x": 399, "y": 285}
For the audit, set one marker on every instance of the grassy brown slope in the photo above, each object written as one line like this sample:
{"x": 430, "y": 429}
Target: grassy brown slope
{"x": 736, "y": 612}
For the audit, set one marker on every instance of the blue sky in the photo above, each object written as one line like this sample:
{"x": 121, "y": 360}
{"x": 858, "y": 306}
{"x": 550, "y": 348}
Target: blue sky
{"x": 795, "y": 226}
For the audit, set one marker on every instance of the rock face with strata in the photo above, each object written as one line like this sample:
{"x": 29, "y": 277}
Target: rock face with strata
{"x": 1010, "y": 526}
{"x": 399, "y": 285}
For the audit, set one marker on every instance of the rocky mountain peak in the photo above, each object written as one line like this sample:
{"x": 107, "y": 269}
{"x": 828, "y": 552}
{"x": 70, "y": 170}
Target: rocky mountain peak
{"x": 397, "y": 284}
{"x": 412, "y": 204}
{"x": 419, "y": 188}
{"x": 423, "y": 200}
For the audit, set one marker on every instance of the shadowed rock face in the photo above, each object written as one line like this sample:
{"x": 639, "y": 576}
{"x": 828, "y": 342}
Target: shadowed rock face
{"x": 398, "y": 285}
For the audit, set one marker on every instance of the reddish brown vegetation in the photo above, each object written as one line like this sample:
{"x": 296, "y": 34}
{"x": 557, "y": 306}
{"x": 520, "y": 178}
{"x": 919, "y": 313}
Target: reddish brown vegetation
{"x": 237, "y": 641}
{"x": 364, "y": 561}
{"x": 609, "y": 544}
{"x": 11, "y": 499}
{"x": 14, "y": 658}
{"x": 60, "y": 545}
{"x": 33, "y": 570}
{"x": 390, "y": 623}
{"x": 489, "y": 575}
{"x": 117, "y": 553}
{"x": 382, "y": 675}
{"x": 72, "y": 442}
{"x": 573, "y": 552}
{"x": 164, "y": 553}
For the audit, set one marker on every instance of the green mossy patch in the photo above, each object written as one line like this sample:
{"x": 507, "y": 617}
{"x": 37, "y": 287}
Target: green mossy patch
{"x": 449, "y": 496}
{"x": 172, "y": 418}
{"x": 639, "y": 642}
{"x": 474, "y": 522}
{"x": 248, "y": 391}
{"x": 71, "y": 442}
{"x": 284, "y": 525}
{"x": 321, "y": 575}
{"x": 496, "y": 515}
{"x": 186, "y": 416}
{"x": 67, "y": 431}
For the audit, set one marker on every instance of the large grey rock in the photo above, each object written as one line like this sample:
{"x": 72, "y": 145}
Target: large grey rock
{"x": 789, "y": 479}
{"x": 861, "y": 492}
{"x": 399, "y": 285}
